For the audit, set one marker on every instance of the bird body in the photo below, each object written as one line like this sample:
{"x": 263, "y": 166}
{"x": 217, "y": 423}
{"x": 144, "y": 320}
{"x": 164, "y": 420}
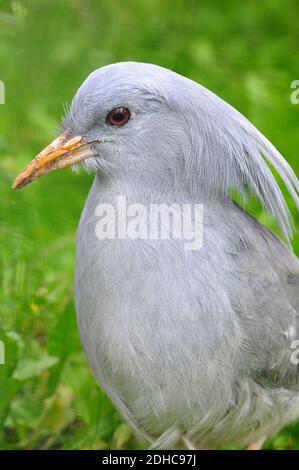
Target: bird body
{"x": 170, "y": 333}
{"x": 192, "y": 346}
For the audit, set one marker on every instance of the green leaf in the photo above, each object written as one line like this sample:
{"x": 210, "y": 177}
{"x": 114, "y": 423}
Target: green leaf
{"x": 26, "y": 411}
{"x": 122, "y": 435}
{"x": 28, "y": 368}
{"x": 63, "y": 341}
{"x": 8, "y": 388}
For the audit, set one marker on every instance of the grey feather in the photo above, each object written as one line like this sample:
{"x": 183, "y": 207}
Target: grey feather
{"x": 188, "y": 345}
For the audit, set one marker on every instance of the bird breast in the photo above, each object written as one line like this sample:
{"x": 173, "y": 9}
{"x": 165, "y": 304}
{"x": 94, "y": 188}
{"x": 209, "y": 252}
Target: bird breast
{"x": 149, "y": 318}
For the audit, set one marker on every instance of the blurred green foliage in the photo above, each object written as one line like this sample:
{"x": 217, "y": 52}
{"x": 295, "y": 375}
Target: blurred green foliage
{"x": 247, "y": 52}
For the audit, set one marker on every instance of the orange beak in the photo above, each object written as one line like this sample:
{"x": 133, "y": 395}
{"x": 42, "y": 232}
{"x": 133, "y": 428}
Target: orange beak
{"x": 62, "y": 152}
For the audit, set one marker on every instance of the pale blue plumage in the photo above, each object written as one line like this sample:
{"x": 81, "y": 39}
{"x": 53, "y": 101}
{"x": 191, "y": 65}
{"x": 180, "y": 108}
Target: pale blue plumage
{"x": 190, "y": 346}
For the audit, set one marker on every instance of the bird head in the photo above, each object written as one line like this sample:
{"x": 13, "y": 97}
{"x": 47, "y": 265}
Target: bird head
{"x": 148, "y": 124}
{"x": 119, "y": 124}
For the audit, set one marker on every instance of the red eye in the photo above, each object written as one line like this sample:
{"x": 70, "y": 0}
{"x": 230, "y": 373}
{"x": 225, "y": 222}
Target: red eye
{"x": 118, "y": 116}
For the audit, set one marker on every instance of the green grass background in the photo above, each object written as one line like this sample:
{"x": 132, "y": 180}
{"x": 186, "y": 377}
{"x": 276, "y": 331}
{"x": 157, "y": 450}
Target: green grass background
{"x": 247, "y": 52}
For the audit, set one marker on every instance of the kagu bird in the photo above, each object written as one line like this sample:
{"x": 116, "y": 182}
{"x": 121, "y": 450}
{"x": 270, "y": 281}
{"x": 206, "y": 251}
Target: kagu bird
{"x": 194, "y": 348}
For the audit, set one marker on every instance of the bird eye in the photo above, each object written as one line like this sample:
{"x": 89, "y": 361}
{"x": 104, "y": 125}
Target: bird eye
{"x": 118, "y": 116}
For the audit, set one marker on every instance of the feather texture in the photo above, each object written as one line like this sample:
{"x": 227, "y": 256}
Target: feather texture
{"x": 190, "y": 346}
